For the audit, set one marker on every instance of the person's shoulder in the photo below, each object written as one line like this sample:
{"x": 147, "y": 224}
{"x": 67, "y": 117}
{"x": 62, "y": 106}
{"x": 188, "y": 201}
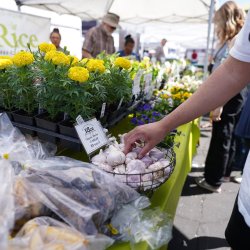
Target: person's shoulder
{"x": 93, "y": 30}
{"x": 121, "y": 52}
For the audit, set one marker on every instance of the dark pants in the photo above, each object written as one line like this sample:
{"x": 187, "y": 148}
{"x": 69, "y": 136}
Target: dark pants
{"x": 223, "y": 145}
{"x": 241, "y": 153}
{"x": 237, "y": 232}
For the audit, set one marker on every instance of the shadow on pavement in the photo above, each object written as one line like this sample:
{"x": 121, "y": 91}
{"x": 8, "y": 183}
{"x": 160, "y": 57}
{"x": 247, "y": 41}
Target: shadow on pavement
{"x": 180, "y": 242}
{"x": 190, "y": 188}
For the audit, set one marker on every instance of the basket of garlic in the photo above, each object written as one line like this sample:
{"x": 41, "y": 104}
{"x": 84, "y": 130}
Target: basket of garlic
{"x": 144, "y": 174}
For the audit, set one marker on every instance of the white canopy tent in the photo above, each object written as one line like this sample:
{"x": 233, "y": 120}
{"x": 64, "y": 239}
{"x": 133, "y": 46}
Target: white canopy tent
{"x": 183, "y": 21}
{"x": 130, "y": 11}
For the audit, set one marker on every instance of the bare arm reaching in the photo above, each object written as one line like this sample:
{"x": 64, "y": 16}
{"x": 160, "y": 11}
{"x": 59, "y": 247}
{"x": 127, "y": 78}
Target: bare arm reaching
{"x": 222, "y": 85}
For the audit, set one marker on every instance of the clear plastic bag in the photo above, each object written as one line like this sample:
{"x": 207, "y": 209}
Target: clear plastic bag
{"x": 47, "y": 233}
{"x": 136, "y": 225}
{"x": 15, "y": 147}
{"x": 79, "y": 193}
{"x": 26, "y": 206}
{"x": 6, "y": 202}
{"x": 54, "y": 163}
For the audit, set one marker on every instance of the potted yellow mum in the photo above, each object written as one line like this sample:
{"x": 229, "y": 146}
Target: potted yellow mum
{"x": 23, "y": 84}
{"x": 7, "y": 94}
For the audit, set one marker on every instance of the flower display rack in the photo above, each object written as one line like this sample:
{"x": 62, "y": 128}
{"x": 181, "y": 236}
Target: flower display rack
{"x": 72, "y": 142}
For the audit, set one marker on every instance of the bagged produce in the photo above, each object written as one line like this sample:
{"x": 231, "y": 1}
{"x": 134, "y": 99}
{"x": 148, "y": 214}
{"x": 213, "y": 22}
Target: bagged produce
{"x": 15, "y": 147}
{"x": 6, "y": 202}
{"x": 46, "y": 233}
{"x": 82, "y": 196}
{"x": 135, "y": 225}
{"x": 26, "y": 205}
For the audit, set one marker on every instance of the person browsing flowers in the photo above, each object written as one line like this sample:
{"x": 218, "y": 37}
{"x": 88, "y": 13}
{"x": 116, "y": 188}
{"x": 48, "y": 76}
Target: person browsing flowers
{"x": 99, "y": 38}
{"x": 233, "y": 75}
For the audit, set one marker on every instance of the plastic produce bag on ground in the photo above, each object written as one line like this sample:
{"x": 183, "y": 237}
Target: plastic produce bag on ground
{"x": 84, "y": 197}
{"x": 135, "y": 225}
{"x": 6, "y": 202}
{"x": 46, "y": 233}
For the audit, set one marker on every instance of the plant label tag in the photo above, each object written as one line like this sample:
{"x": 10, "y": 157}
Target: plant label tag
{"x": 148, "y": 85}
{"x": 79, "y": 119}
{"x": 136, "y": 85}
{"x": 92, "y": 135}
{"x": 120, "y": 103}
{"x": 103, "y": 110}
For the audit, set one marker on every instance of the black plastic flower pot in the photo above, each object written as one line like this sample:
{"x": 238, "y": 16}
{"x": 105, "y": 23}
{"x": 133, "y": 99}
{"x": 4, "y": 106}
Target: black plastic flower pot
{"x": 103, "y": 120}
{"x": 113, "y": 116}
{"x": 67, "y": 128}
{"x": 8, "y": 112}
{"x": 23, "y": 117}
{"x": 43, "y": 121}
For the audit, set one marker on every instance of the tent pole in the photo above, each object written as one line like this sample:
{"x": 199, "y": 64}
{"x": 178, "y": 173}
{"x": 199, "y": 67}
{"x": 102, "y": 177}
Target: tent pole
{"x": 211, "y": 11}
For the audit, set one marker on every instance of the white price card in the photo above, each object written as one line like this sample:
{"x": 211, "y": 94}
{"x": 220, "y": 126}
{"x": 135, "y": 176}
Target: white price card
{"x": 79, "y": 119}
{"x": 120, "y": 103}
{"x": 148, "y": 90}
{"x": 92, "y": 135}
{"x": 137, "y": 81}
{"x": 103, "y": 110}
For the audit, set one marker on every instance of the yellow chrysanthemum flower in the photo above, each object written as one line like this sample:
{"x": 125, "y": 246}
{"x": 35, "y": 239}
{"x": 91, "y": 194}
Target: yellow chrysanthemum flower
{"x": 122, "y": 63}
{"x": 6, "y": 57}
{"x": 49, "y": 55}
{"x": 5, "y": 63}
{"x": 95, "y": 65}
{"x": 60, "y": 58}
{"x": 57, "y": 58}
{"x": 23, "y": 58}
{"x": 46, "y": 47}
{"x": 73, "y": 60}
{"x": 78, "y": 74}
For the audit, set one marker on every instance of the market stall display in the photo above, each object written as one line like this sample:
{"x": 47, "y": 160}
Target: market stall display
{"x": 74, "y": 202}
{"x": 77, "y": 195}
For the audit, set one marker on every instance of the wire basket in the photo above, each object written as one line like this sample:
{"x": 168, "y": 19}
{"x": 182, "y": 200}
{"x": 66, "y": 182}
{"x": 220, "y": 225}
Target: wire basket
{"x": 147, "y": 182}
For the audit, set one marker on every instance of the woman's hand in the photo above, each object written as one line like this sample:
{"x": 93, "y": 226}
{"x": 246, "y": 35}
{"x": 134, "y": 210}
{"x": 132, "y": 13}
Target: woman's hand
{"x": 215, "y": 115}
{"x": 151, "y": 134}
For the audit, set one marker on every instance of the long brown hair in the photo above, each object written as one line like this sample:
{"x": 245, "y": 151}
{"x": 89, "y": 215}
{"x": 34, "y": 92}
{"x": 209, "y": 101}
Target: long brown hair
{"x": 228, "y": 19}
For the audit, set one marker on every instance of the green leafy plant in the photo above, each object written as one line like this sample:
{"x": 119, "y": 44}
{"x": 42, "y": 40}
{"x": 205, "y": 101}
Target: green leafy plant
{"x": 22, "y": 82}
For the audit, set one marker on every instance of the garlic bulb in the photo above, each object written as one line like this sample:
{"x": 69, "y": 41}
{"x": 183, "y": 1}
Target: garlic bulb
{"x": 167, "y": 171}
{"x": 134, "y": 179}
{"x": 127, "y": 161}
{"x": 147, "y": 181}
{"x": 156, "y": 154}
{"x": 122, "y": 146}
{"x": 131, "y": 155}
{"x": 157, "y": 168}
{"x": 121, "y": 169}
{"x": 100, "y": 158}
{"x": 105, "y": 167}
{"x": 136, "y": 165}
{"x": 164, "y": 162}
{"x": 115, "y": 157}
{"x": 137, "y": 150}
{"x": 147, "y": 160}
